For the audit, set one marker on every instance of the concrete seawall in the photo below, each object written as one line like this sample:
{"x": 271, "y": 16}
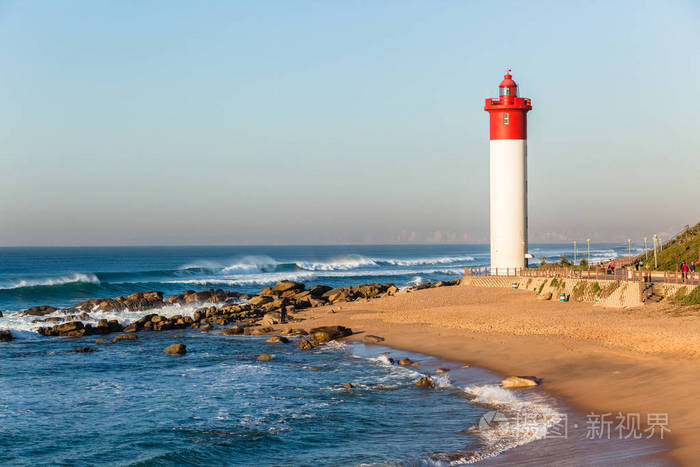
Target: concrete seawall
{"x": 606, "y": 293}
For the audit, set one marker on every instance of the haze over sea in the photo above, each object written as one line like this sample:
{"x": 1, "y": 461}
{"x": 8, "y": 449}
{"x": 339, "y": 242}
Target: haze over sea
{"x": 129, "y": 403}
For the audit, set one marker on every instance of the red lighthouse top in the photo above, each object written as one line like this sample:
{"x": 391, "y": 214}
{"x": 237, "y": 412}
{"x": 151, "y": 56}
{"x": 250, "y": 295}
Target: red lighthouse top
{"x": 508, "y": 112}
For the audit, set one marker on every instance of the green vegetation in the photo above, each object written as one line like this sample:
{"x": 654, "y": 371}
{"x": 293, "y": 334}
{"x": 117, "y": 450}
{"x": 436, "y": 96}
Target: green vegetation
{"x": 564, "y": 261}
{"x": 583, "y": 263}
{"x": 682, "y": 297}
{"x": 527, "y": 284}
{"x": 554, "y": 282}
{"x": 684, "y": 247}
{"x": 541, "y": 287}
{"x": 612, "y": 287}
{"x": 579, "y": 292}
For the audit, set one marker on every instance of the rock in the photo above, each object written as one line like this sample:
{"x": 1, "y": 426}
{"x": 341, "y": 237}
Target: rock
{"x": 83, "y": 350}
{"x": 348, "y": 386}
{"x": 6, "y": 336}
{"x": 233, "y": 330}
{"x": 105, "y": 327}
{"x": 392, "y": 290}
{"x": 0, "y": 314}
{"x": 426, "y": 382}
{"x": 206, "y": 327}
{"x": 139, "y": 301}
{"x": 277, "y": 340}
{"x": 176, "y": 349}
{"x": 414, "y": 364}
{"x": 545, "y": 296}
{"x": 520, "y": 381}
{"x": 100, "y": 304}
{"x": 265, "y": 357}
{"x": 72, "y": 329}
{"x": 271, "y": 318}
{"x": 284, "y": 286}
{"x": 305, "y": 345}
{"x": 260, "y": 300}
{"x": 100, "y": 341}
{"x": 125, "y": 337}
{"x": 465, "y": 366}
{"x": 442, "y": 370}
{"x": 405, "y": 362}
{"x": 39, "y": 310}
{"x": 318, "y": 290}
{"x": 328, "y": 333}
{"x": 255, "y": 331}
{"x": 372, "y": 339}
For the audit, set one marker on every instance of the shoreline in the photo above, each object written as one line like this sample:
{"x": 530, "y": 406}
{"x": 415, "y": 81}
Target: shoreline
{"x": 593, "y": 359}
{"x": 589, "y": 373}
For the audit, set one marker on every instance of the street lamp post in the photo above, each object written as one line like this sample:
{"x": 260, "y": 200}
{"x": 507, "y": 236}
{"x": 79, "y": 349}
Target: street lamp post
{"x": 588, "y": 244}
{"x": 575, "y": 256}
{"x": 656, "y": 262}
{"x": 646, "y": 251}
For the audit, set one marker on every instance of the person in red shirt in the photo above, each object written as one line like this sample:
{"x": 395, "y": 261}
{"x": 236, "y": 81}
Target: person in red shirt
{"x": 684, "y": 271}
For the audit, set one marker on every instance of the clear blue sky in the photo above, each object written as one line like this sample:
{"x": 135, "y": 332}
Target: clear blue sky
{"x": 162, "y": 122}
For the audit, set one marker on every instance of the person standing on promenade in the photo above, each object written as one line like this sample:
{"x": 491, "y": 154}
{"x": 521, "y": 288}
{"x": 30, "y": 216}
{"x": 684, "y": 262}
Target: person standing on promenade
{"x": 684, "y": 271}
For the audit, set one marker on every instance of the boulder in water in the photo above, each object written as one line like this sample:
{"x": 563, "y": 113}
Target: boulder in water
{"x": 125, "y": 337}
{"x": 405, "y": 362}
{"x": 520, "y": 381}
{"x": 277, "y": 340}
{"x": 265, "y": 357}
{"x": 6, "y": 336}
{"x": 328, "y": 333}
{"x": 176, "y": 349}
{"x": 83, "y": 350}
{"x": 304, "y": 344}
{"x": 426, "y": 382}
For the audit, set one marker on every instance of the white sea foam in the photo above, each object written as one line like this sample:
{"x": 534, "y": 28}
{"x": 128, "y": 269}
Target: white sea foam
{"x": 342, "y": 263}
{"x": 248, "y": 264}
{"x": 428, "y": 261}
{"x": 59, "y": 280}
{"x": 514, "y": 421}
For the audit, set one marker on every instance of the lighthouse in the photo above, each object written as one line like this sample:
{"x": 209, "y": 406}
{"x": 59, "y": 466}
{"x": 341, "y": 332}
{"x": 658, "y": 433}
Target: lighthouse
{"x": 508, "y": 177}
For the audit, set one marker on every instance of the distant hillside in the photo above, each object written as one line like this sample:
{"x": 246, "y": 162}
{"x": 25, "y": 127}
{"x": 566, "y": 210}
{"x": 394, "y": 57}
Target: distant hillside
{"x": 684, "y": 246}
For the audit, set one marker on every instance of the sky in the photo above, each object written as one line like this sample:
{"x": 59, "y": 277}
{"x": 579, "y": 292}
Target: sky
{"x": 317, "y": 122}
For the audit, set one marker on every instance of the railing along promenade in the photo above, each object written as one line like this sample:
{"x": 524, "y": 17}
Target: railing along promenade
{"x": 591, "y": 273}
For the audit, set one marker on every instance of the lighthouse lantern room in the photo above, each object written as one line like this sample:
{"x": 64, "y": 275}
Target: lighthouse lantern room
{"x": 508, "y": 177}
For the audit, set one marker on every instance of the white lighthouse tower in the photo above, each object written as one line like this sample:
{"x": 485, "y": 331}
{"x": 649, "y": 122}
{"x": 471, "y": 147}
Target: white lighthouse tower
{"x": 508, "y": 122}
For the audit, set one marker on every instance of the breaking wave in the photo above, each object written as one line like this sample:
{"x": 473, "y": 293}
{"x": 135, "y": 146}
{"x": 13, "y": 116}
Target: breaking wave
{"x": 51, "y": 281}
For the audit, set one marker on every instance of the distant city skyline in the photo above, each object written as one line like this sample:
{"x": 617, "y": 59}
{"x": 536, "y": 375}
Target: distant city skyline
{"x": 170, "y": 123}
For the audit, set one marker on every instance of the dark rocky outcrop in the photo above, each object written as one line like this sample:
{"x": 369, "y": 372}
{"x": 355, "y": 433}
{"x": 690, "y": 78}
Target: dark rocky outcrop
{"x": 328, "y": 333}
{"x": 82, "y": 350}
{"x": 6, "y": 336}
{"x": 265, "y": 357}
{"x": 71, "y": 329}
{"x": 39, "y": 310}
{"x": 176, "y": 349}
{"x": 140, "y": 301}
{"x": 99, "y": 304}
{"x": 211, "y": 296}
{"x": 405, "y": 362}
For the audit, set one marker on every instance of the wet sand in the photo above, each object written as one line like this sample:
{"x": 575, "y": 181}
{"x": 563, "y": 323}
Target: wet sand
{"x": 599, "y": 360}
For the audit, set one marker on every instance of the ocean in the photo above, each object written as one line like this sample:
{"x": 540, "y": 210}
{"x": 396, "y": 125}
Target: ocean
{"x": 129, "y": 404}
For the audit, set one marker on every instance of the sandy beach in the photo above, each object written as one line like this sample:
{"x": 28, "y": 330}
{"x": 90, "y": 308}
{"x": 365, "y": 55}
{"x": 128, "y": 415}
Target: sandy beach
{"x": 599, "y": 360}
